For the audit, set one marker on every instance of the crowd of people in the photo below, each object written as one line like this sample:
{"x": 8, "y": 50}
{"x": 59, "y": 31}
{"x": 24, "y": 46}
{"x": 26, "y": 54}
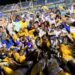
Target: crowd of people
{"x": 46, "y": 37}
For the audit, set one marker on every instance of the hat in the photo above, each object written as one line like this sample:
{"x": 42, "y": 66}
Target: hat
{"x": 23, "y": 16}
{"x": 67, "y": 16}
{"x": 63, "y": 13}
{"x": 73, "y": 11}
{"x": 53, "y": 15}
{"x": 45, "y": 8}
{"x": 1, "y": 27}
{"x": 17, "y": 43}
{"x": 16, "y": 49}
{"x": 1, "y": 14}
{"x": 36, "y": 20}
{"x": 61, "y": 7}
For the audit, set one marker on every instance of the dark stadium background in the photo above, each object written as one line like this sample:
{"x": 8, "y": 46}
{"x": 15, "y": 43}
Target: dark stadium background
{"x": 4, "y": 2}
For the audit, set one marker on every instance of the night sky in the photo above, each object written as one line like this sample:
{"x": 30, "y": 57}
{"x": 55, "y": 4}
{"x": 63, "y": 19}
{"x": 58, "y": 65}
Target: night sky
{"x": 4, "y": 2}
